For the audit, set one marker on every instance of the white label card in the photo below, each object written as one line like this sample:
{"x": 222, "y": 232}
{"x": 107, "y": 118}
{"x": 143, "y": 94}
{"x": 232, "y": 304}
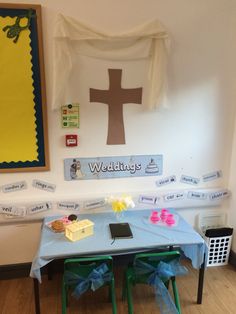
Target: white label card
{"x": 17, "y": 186}
{"x": 212, "y": 176}
{"x": 12, "y": 210}
{"x": 196, "y": 195}
{"x": 38, "y": 184}
{"x": 36, "y": 208}
{"x": 94, "y": 204}
{"x": 173, "y": 196}
{"x": 219, "y": 195}
{"x": 165, "y": 181}
{"x": 148, "y": 199}
{"x": 68, "y": 206}
{"x": 189, "y": 180}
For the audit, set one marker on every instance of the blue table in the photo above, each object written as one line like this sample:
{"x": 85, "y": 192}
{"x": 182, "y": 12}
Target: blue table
{"x": 146, "y": 237}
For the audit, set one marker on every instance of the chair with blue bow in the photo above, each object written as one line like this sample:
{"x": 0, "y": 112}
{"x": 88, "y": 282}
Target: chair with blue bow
{"x": 156, "y": 270}
{"x": 82, "y": 274}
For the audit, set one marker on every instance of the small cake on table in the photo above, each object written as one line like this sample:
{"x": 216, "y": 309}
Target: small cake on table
{"x": 72, "y": 217}
{"x": 57, "y": 226}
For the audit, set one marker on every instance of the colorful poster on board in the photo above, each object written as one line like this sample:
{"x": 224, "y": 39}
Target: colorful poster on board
{"x": 112, "y": 167}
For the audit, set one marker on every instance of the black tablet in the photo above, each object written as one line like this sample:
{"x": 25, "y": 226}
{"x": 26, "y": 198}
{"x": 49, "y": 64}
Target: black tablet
{"x": 120, "y": 230}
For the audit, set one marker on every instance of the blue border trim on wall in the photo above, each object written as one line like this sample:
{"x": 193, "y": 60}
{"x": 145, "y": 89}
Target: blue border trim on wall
{"x": 37, "y": 92}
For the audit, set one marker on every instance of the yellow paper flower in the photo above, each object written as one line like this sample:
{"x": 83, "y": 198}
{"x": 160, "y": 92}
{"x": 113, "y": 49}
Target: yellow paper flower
{"x": 121, "y": 203}
{"x": 118, "y": 206}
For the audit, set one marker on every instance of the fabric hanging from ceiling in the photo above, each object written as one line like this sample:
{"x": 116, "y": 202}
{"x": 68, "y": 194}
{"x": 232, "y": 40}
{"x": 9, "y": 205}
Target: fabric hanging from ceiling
{"x": 72, "y": 37}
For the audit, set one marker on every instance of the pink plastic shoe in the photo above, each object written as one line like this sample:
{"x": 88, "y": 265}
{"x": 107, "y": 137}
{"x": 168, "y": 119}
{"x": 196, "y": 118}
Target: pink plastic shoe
{"x": 164, "y": 214}
{"x": 154, "y": 217}
{"x": 170, "y": 221}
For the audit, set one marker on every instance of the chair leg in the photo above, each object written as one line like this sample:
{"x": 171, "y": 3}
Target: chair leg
{"x": 113, "y": 296}
{"x": 124, "y": 288}
{"x": 167, "y": 284}
{"x": 129, "y": 295}
{"x": 64, "y": 298}
{"x": 110, "y": 293}
{"x": 176, "y": 294}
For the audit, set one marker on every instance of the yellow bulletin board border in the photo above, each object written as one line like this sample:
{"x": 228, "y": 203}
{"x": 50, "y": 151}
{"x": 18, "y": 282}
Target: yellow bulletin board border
{"x": 38, "y": 76}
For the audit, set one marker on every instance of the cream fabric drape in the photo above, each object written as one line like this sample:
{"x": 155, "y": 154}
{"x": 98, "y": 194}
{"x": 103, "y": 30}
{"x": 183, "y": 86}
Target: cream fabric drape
{"x": 71, "y": 38}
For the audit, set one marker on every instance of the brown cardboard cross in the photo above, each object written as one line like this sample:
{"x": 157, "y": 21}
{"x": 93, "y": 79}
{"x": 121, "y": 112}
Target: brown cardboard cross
{"x": 115, "y": 97}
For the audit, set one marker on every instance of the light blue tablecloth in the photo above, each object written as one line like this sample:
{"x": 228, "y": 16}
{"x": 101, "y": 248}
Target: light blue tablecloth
{"x": 146, "y": 236}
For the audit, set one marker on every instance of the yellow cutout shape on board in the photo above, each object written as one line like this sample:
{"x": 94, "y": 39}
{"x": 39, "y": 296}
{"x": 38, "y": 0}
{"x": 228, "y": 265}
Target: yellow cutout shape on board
{"x": 18, "y": 135}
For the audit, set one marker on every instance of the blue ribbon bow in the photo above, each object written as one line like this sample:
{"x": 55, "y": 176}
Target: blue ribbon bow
{"x": 162, "y": 272}
{"x": 95, "y": 280}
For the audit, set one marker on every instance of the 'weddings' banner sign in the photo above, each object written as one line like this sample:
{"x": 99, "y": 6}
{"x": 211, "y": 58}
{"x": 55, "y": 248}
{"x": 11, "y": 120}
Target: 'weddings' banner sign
{"x": 112, "y": 167}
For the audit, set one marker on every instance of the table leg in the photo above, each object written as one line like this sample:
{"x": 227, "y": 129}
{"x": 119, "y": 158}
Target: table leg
{"x": 200, "y": 282}
{"x": 36, "y": 296}
{"x": 50, "y": 270}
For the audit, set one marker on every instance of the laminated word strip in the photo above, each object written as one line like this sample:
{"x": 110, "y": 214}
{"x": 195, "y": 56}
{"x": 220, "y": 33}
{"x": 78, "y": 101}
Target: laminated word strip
{"x": 219, "y": 195}
{"x": 38, "y": 184}
{"x": 17, "y": 186}
{"x": 212, "y": 176}
{"x": 36, "y": 208}
{"x": 189, "y": 180}
{"x": 12, "y": 210}
{"x": 165, "y": 181}
{"x": 197, "y": 195}
{"x": 68, "y": 206}
{"x": 173, "y": 196}
{"x": 94, "y": 204}
{"x": 148, "y": 199}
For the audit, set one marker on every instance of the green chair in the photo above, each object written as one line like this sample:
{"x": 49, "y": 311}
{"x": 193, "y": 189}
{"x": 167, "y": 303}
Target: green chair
{"x": 81, "y": 274}
{"x": 155, "y": 269}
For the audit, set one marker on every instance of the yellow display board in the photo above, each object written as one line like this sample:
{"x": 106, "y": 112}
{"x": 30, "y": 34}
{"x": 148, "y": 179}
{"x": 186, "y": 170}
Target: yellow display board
{"x": 18, "y": 140}
{"x": 23, "y": 138}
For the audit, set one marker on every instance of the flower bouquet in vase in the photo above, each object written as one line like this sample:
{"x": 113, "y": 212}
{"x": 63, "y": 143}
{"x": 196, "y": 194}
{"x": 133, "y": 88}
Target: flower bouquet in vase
{"x": 120, "y": 204}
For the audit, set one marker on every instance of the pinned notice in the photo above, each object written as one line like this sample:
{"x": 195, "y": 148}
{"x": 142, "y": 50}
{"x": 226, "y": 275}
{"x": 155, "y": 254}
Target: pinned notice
{"x": 70, "y": 116}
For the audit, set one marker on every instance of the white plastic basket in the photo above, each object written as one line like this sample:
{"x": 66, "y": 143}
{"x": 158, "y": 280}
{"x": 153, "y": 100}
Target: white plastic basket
{"x": 219, "y": 247}
{"x": 219, "y": 250}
